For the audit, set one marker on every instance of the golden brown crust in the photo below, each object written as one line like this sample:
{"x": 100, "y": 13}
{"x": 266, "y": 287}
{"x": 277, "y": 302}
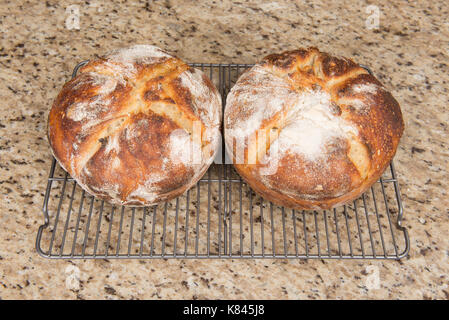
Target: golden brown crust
{"x": 352, "y": 123}
{"x": 125, "y": 126}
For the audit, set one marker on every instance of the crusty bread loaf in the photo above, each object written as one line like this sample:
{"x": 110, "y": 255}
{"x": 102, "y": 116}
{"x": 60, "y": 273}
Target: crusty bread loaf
{"x": 136, "y": 127}
{"x": 308, "y": 130}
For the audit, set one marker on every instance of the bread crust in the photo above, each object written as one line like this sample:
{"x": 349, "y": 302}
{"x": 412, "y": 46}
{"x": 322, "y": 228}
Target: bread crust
{"x": 136, "y": 127}
{"x": 329, "y": 129}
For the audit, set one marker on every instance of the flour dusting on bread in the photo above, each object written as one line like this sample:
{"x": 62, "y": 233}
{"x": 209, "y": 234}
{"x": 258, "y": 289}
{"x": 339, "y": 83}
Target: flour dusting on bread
{"x": 121, "y": 65}
{"x": 308, "y": 123}
{"x": 311, "y": 126}
{"x": 148, "y": 190}
{"x": 364, "y": 94}
{"x": 203, "y": 98}
{"x": 184, "y": 150}
{"x": 82, "y": 111}
{"x": 140, "y": 53}
{"x": 113, "y": 144}
{"x": 365, "y": 88}
{"x": 257, "y": 96}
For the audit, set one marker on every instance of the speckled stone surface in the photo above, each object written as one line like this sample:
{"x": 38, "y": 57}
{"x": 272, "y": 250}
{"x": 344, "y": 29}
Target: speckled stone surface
{"x": 408, "y": 52}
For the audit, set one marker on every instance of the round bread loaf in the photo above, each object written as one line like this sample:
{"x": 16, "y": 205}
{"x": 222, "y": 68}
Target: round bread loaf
{"x": 136, "y": 127}
{"x": 307, "y": 130}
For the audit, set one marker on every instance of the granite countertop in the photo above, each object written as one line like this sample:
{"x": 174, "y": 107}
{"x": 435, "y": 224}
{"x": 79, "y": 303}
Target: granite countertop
{"x": 408, "y": 51}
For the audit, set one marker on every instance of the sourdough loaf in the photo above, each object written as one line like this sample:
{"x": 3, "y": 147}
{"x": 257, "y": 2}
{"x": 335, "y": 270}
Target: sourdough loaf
{"x": 308, "y": 130}
{"x": 136, "y": 127}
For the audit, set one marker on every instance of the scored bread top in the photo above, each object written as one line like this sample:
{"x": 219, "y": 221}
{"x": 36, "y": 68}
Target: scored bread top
{"x": 136, "y": 126}
{"x": 327, "y": 128}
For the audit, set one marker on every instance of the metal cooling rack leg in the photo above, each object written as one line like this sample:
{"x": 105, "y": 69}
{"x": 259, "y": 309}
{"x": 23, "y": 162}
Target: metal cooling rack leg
{"x": 45, "y": 211}
{"x": 398, "y": 195}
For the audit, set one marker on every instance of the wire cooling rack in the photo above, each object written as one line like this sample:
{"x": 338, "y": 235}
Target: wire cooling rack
{"x": 220, "y": 217}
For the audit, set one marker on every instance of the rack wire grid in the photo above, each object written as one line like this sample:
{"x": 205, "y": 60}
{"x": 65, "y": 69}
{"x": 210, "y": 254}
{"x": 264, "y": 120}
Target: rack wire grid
{"x": 220, "y": 217}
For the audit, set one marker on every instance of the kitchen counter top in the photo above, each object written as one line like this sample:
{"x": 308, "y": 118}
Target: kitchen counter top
{"x": 408, "y": 51}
